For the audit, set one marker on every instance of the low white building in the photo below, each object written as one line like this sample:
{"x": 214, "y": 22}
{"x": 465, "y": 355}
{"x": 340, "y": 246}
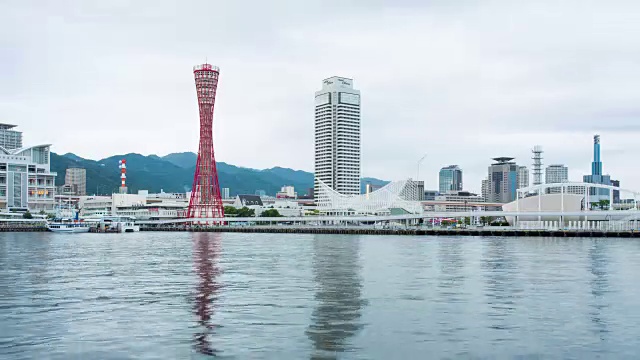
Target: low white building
{"x": 142, "y": 206}
{"x": 285, "y": 208}
{"x": 287, "y": 192}
{"x": 458, "y": 201}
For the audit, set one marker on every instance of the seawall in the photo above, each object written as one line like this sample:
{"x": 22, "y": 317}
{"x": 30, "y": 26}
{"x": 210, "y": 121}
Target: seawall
{"x": 433, "y": 232}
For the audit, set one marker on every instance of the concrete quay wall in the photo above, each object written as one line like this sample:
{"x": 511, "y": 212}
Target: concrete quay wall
{"x": 434, "y": 232}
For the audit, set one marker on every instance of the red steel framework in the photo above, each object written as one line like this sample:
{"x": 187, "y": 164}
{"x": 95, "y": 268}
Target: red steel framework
{"x": 205, "y": 201}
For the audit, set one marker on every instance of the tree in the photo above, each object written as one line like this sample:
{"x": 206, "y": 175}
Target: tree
{"x": 603, "y": 204}
{"x": 27, "y": 215}
{"x": 246, "y": 212}
{"x": 230, "y": 211}
{"x": 270, "y": 213}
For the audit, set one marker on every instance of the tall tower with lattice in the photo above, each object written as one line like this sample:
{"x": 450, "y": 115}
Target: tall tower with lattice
{"x": 537, "y": 164}
{"x": 205, "y": 201}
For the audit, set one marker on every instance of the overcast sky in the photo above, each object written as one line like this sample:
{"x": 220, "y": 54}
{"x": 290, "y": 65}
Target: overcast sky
{"x": 460, "y": 81}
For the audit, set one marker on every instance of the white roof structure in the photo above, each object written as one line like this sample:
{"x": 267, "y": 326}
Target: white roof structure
{"x": 399, "y": 194}
{"x": 6, "y": 151}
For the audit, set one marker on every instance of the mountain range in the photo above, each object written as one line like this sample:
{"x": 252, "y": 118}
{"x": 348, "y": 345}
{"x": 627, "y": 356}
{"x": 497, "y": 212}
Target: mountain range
{"x": 174, "y": 173}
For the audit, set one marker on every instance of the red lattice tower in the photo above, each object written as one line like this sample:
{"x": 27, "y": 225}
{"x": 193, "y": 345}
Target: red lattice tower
{"x": 206, "y": 201}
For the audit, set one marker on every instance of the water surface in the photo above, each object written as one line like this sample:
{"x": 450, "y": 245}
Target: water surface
{"x": 291, "y": 296}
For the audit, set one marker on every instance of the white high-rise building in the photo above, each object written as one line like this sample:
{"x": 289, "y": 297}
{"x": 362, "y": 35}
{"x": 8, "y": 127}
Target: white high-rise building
{"x": 556, "y": 174}
{"x": 559, "y": 174}
{"x": 337, "y": 136}
{"x": 523, "y": 177}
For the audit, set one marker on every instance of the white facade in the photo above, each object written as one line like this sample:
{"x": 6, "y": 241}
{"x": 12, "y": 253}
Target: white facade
{"x": 76, "y": 178}
{"x": 26, "y": 180}
{"x": 284, "y": 207}
{"x": 462, "y": 200}
{"x": 556, "y": 174}
{"x": 287, "y": 192}
{"x": 337, "y": 136}
{"x": 225, "y": 193}
{"x": 381, "y": 201}
{"x": 523, "y": 177}
{"x": 485, "y": 188}
{"x": 142, "y": 206}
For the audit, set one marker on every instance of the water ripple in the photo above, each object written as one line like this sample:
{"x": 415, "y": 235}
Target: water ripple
{"x": 163, "y": 295}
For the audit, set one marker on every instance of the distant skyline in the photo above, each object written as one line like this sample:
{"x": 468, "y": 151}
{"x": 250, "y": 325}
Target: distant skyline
{"x": 462, "y": 81}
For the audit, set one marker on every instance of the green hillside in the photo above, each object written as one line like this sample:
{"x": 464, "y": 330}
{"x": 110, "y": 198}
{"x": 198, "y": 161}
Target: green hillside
{"x": 174, "y": 173}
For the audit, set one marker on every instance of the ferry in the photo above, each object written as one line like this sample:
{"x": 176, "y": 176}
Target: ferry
{"x": 68, "y": 227}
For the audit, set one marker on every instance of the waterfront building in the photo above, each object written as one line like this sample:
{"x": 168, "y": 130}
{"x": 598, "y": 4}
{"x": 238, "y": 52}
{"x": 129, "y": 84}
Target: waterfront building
{"x": 523, "y": 177}
{"x": 369, "y": 187}
{"x": 225, "y": 193}
{"x": 459, "y": 201}
{"x": 142, "y": 206}
{"x": 616, "y": 193}
{"x": 337, "y": 136}
{"x": 450, "y": 179}
{"x": 247, "y": 200}
{"x": 286, "y": 192}
{"x": 414, "y": 191}
{"x": 430, "y": 195}
{"x": 75, "y": 179}
{"x": 556, "y": 173}
{"x": 502, "y": 181}
{"x": 26, "y": 180}
{"x": 597, "y": 177}
{"x": 485, "y": 189}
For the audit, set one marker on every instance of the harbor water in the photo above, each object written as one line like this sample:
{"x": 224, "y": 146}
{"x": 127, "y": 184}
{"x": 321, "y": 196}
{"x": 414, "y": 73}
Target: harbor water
{"x": 185, "y": 295}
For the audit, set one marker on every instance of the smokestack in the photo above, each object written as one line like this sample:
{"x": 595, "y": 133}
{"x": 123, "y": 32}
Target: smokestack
{"x": 123, "y": 175}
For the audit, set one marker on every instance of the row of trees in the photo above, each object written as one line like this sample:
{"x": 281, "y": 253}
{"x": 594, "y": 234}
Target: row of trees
{"x": 246, "y": 212}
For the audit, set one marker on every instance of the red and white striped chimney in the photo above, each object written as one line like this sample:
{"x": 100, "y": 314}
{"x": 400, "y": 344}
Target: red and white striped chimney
{"x": 123, "y": 172}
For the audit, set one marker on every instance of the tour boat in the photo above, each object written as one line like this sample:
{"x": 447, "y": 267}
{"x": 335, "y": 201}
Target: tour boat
{"x": 68, "y": 227}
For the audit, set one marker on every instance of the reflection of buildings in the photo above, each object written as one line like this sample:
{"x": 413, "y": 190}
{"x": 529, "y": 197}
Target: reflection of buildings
{"x": 599, "y": 285}
{"x": 205, "y": 253}
{"x": 502, "y": 290}
{"x": 337, "y": 275}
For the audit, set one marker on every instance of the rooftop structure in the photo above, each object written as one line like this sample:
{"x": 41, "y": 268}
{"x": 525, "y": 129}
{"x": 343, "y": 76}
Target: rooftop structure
{"x": 502, "y": 160}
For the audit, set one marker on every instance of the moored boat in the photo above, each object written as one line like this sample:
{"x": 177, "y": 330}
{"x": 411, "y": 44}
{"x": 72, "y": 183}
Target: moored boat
{"x": 68, "y": 227}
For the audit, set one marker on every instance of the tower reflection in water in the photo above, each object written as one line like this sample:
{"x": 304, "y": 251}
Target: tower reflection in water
{"x": 336, "y": 316}
{"x": 599, "y": 286}
{"x": 206, "y": 250}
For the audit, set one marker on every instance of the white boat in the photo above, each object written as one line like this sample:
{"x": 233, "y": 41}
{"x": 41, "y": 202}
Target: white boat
{"x": 68, "y": 227}
{"x": 120, "y": 224}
